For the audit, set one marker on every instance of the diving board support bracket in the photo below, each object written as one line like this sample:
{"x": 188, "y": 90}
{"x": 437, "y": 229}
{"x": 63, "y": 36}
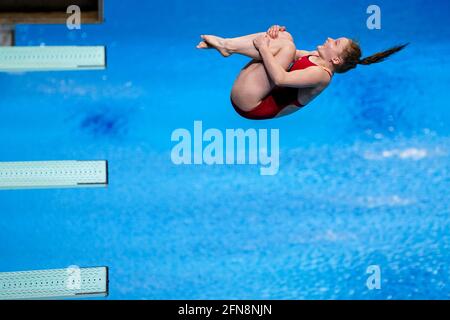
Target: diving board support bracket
{"x": 72, "y": 282}
{"x": 49, "y": 11}
{"x": 53, "y": 174}
{"x": 7, "y": 35}
{"x": 52, "y": 58}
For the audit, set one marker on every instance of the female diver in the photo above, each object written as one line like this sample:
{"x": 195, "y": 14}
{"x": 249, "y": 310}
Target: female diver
{"x": 281, "y": 79}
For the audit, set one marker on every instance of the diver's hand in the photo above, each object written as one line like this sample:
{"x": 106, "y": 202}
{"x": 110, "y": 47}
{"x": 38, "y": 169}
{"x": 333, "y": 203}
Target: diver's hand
{"x": 262, "y": 42}
{"x": 274, "y": 31}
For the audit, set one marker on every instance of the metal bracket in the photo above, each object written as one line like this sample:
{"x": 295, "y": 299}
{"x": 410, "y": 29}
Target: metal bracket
{"x": 7, "y": 35}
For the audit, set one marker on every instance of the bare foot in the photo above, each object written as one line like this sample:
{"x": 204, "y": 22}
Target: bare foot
{"x": 217, "y": 43}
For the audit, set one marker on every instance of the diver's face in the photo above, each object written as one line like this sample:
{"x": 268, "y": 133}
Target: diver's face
{"x": 333, "y": 48}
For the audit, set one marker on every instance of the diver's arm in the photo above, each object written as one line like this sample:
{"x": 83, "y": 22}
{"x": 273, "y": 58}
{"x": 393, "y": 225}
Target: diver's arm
{"x": 306, "y": 78}
{"x": 275, "y": 71}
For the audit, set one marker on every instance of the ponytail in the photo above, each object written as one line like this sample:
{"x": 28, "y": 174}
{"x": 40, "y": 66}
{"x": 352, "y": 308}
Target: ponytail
{"x": 381, "y": 56}
{"x": 352, "y": 57}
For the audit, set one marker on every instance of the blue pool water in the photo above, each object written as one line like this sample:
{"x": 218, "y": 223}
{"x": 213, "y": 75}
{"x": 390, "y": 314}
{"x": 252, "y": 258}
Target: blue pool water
{"x": 364, "y": 170}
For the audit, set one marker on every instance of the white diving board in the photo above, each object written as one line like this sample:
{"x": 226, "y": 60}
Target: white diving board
{"x": 64, "y": 58}
{"x": 53, "y": 174}
{"x": 72, "y": 282}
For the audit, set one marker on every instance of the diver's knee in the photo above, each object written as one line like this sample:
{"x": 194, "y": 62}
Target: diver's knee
{"x": 286, "y": 35}
{"x": 288, "y": 45}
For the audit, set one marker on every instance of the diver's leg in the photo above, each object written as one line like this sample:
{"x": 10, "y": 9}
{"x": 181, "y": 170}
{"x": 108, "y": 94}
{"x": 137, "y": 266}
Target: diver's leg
{"x": 242, "y": 45}
{"x": 254, "y": 83}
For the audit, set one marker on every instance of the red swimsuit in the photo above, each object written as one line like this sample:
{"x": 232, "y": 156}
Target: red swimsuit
{"x": 278, "y": 99}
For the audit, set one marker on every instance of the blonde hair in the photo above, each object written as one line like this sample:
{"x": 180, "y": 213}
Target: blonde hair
{"x": 352, "y": 56}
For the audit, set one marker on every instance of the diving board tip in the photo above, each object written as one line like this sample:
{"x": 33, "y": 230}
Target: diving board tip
{"x": 53, "y": 174}
{"x": 52, "y": 58}
{"x": 72, "y": 282}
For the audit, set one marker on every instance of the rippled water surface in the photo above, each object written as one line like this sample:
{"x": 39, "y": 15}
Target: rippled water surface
{"x": 364, "y": 170}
